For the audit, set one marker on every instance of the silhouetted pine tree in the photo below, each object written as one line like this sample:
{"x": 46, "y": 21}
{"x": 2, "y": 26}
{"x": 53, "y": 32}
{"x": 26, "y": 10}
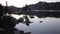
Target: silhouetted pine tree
{"x": 26, "y": 8}
{"x": 1, "y": 10}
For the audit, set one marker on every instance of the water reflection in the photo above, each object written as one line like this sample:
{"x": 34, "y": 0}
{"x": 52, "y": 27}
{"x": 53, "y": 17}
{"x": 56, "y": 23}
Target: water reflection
{"x": 41, "y": 26}
{"x": 26, "y": 25}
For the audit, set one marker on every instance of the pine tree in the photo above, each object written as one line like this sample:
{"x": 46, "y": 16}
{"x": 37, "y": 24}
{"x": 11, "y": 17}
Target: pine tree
{"x": 1, "y": 10}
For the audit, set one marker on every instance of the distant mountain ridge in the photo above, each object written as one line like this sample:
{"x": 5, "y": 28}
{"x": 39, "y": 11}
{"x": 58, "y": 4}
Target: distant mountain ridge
{"x": 45, "y": 6}
{"x": 40, "y": 6}
{"x": 37, "y": 6}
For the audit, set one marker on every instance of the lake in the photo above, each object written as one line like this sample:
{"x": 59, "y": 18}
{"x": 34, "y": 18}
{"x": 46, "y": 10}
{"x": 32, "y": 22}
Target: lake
{"x": 49, "y": 25}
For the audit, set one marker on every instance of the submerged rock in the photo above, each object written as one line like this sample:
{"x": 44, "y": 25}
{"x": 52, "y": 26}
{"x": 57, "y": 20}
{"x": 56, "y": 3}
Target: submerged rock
{"x": 41, "y": 21}
{"x": 21, "y": 20}
{"x": 31, "y": 16}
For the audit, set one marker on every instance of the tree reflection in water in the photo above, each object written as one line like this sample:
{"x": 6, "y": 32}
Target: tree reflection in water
{"x": 8, "y": 23}
{"x": 24, "y": 20}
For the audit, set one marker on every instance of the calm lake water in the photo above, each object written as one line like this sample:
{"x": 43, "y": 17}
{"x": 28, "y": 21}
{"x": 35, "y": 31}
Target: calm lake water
{"x": 48, "y": 26}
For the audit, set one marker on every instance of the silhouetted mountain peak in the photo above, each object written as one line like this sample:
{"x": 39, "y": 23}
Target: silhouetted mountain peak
{"x": 46, "y": 6}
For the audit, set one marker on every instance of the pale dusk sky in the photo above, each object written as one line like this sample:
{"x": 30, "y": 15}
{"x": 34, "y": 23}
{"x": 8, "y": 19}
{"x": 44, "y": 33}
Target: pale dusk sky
{"x": 21, "y": 3}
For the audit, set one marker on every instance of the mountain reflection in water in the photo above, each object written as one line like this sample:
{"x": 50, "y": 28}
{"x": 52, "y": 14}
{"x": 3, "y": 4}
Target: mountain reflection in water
{"x": 49, "y": 25}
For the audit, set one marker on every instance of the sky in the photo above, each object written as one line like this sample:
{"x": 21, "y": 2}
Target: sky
{"x": 21, "y": 3}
